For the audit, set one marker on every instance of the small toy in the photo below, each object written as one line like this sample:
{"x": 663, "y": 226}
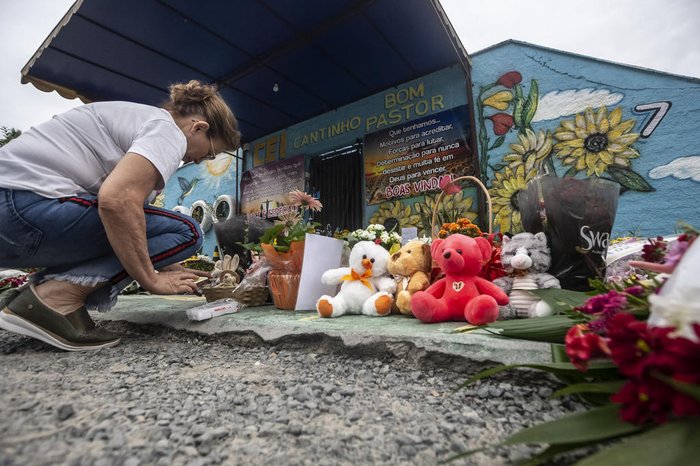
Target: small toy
{"x": 366, "y": 286}
{"x": 411, "y": 267}
{"x": 225, "y": 271}
{"x": 461, "y": 294}
{"x": 526, "y": 258}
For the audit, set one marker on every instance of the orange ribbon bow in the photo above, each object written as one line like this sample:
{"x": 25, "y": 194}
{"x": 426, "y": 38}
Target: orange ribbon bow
{"x": 363, "y": 278}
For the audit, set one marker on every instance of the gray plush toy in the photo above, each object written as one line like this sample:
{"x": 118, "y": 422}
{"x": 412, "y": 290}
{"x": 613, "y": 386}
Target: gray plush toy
{"x": 526, "y": 258}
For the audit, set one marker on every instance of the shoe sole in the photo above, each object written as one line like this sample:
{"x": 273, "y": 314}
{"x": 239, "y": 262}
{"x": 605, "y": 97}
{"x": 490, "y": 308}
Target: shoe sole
{"x": 13, "y": 323}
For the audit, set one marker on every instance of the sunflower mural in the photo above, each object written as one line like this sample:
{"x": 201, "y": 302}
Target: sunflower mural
{"x": 394, "y": 216}
{"x": 600, "y": 144}
{"x": 452, "y": 207}
{"x": 504, "y": 191}
{"x": 588, "y": 141}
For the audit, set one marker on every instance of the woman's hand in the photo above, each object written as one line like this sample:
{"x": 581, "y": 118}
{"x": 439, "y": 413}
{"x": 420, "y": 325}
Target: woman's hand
{"x": 174, "y": 282}
{"x": 176, "y": 267}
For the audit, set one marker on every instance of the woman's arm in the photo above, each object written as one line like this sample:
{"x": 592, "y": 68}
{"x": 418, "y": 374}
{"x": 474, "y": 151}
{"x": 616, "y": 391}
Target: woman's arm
{"x": 121, "y": 200}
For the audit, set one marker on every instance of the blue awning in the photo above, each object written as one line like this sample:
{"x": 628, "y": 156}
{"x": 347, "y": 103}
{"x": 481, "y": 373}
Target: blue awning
{"x": 322, "y": 54}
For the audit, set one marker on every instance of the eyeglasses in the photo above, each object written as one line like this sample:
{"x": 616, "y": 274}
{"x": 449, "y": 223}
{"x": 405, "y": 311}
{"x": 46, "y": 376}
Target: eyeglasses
{"x": 212, "y": 154}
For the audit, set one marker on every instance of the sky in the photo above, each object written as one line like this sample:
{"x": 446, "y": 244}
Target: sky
{"x": 659, "y": 34}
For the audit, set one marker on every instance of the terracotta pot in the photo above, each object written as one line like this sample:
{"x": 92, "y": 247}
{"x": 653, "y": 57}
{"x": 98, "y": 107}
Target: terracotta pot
{"x": 284, "y": 288}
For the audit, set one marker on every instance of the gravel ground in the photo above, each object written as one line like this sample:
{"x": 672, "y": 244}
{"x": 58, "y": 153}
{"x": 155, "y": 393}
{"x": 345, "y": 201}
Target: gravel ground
{"x": 167, "y": 397}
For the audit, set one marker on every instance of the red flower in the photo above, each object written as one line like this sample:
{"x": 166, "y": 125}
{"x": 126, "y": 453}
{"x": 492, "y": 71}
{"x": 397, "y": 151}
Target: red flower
{"x": 582, "y": 347}
{"x": 605, "y": 306}
{"x": 510, "y": 79}
{"x": 644, "y": 401}
{"x": 655, "y": 250}
{"x": 633, "y": 345}
{"x": 502, "y": 122}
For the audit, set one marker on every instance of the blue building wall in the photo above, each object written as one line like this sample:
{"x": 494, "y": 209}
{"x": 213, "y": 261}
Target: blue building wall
{"x": 206, "y": 182}
{"x": 651, "y": 123}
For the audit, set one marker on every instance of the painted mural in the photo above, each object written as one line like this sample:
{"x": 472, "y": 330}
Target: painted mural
{"x": 201, "y": 186}
{"x": 541, "y": 111}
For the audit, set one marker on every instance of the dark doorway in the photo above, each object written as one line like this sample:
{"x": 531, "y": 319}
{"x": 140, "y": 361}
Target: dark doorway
{"x": 336, "y": 177}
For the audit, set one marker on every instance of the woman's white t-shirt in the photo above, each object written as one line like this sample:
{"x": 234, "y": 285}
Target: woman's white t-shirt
{"x": 75, "y": 151}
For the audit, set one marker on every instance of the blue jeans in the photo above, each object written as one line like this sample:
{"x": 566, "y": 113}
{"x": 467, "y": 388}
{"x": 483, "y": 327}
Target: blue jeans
{"x": 66, "y": 237}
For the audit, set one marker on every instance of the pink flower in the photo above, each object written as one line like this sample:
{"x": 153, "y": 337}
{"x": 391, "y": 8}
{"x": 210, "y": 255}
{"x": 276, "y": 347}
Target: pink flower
{"x": 605, "y": 306}
{"x": 502, "y": 122}
{"x": 300, "y": 198}
{"x": 510, "y": 79}
{"x": 448, "y": 186}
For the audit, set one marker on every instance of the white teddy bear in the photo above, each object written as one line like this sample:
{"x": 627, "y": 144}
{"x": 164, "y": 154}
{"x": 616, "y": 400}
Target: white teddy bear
{"x": 366, "y": 288}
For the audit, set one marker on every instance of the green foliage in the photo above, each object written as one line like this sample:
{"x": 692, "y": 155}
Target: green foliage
{"x": 8, "y": 134}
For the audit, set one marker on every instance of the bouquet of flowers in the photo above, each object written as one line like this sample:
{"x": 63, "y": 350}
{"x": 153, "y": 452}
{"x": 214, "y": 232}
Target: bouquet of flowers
{"x": 463, "y": 226}
{"x": 634, "y": 351}
{"x": 389, "y": 240}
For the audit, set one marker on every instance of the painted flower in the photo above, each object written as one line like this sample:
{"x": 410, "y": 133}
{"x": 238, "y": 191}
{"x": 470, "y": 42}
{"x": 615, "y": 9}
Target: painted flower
{"x": 594, "y": 140}
{"x": 509, "y": 79}
{"x": 393, "y": 214}
{"x": 448, "y": 186}
{"x": 499, "y": 100}
{"x": 451, "y": 208}
{"x": 531, "y": 150}
{"x": 507, "y": 183}
{"x": 300, "y": 198}
{"x": 502, "y": 123}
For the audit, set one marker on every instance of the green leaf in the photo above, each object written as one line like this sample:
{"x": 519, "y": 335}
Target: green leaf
{"x": 566, "y": 369}
{"x": 498, "y": 142}
{"x": 630, "y": 179}
{"x": 551, "y": 329}
{"x": 587, "y": 426}
{"x": 560, "y": 299}
{"x": 609, "y": 387}
{"x": 553, "y": 451}
{"x": 530, "y": 105}
{"x": 691, "y": 390}
{"x": 671, "y": 444}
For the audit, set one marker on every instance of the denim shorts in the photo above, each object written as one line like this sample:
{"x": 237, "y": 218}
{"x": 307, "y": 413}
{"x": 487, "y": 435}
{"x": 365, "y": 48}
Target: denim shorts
{"x": 66, "y": 238}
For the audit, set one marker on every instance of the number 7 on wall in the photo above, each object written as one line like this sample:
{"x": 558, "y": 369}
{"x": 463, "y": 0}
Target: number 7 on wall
{"x": 660, "y": 110}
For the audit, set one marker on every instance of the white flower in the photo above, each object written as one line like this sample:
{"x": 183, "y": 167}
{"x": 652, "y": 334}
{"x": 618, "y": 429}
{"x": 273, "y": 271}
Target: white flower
{"x": 384, "y": 237}
{"x": 675, "y": 310}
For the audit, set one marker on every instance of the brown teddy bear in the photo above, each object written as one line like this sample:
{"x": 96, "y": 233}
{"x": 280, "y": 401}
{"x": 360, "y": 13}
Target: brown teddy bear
{"x": 411, "y": 267}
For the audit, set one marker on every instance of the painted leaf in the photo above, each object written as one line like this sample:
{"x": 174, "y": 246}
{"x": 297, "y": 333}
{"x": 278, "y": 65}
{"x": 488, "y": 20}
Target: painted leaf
{"x": 184, "y": 184}
{"x": 518, "y": 106}
{"x": 667, "y": 445}
{"x": 530, "y": 105}
{"x": 630, "y": 179}
{"x": 498, "y": 142}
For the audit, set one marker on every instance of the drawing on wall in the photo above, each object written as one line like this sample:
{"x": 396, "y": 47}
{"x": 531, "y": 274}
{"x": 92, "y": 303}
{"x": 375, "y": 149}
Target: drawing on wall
{"x": 589, "y": 140}
{"x": 186, "y": 187}
{"x": 682, "y": 168}
{"x": 217, "y": 172}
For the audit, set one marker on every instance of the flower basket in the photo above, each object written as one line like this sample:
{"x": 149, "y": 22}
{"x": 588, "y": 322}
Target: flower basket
{"x": 433, "y": 230}
{"x": 284, "y": 288}
{"x": 244, "y": 294}
{"x": 493, "y": 268}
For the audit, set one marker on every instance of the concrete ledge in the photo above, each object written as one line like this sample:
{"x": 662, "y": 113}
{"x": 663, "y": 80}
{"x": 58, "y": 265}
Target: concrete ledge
{"x": 272, "y": 324}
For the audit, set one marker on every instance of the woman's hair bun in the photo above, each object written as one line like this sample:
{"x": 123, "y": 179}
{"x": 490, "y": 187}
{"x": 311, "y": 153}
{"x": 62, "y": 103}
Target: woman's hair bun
{"x": 191, "y": 92}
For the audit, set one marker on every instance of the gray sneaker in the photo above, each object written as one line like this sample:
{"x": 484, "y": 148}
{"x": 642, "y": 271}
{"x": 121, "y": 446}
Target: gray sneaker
{"x": 26, "y": 314}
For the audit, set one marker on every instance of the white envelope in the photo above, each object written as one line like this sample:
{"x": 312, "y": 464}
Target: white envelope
{"x": 321, "y": 253}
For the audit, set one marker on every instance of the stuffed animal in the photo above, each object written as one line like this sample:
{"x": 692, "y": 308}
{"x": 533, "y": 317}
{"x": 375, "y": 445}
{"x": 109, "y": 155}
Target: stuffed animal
{"x": 526, "y": 259}
{"x": 461, "y": 294}
{"x": 366, "y": 286}
{"x": 410, "y": 267}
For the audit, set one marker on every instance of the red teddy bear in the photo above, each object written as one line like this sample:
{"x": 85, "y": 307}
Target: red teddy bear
{"x": 461, "y": 294}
